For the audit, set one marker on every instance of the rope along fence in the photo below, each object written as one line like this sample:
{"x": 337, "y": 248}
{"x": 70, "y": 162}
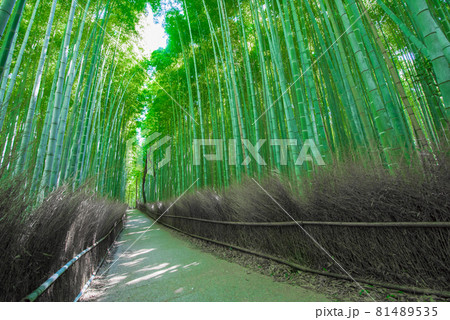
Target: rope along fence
{"x": 403, "y": 263}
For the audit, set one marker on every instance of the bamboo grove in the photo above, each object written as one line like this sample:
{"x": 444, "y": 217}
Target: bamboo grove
{"x": 364, "y": 80}
{"x": 69, "y": 93}
{"x": 358, "y": 80}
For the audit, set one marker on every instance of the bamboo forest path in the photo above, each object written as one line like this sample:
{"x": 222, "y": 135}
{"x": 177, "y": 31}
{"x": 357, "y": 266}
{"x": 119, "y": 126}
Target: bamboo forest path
{"x": 162, "y": 267}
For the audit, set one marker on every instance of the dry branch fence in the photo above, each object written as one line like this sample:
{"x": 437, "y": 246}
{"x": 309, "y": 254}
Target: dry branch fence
{"x": 406, "y": 256}
{"x": 70, "y": 280}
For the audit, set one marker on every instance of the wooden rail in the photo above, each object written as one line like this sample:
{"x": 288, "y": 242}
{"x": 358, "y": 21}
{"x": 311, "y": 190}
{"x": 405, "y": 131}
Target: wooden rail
{"x": 322, "y": 223}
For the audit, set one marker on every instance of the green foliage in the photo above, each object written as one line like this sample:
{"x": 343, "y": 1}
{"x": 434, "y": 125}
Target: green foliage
{"x": 88, "y": 95}
{"x": 353, "y": 76}
{"x": 357, "y": 79}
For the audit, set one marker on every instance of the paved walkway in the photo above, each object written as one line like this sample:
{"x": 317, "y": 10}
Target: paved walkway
{"x": 161, "y": 267}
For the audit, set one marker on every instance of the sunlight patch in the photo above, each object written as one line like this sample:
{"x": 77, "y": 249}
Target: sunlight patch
{"x": 152, "y": 275}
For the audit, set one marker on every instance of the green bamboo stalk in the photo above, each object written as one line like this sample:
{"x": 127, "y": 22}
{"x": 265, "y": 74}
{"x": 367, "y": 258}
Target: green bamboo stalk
{"x": 49, "y": 178}
{"x": 29, "y": 120}
{"x": 438, "y": 46}
{"x": 5, "y": 101}
{"x": 6, "y": 8}
{"x": 12, "y": 30}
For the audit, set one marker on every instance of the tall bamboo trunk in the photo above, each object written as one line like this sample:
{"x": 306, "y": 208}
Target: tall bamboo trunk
{"x": 6, "y": 8}
{"x": 37, "y": 83}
